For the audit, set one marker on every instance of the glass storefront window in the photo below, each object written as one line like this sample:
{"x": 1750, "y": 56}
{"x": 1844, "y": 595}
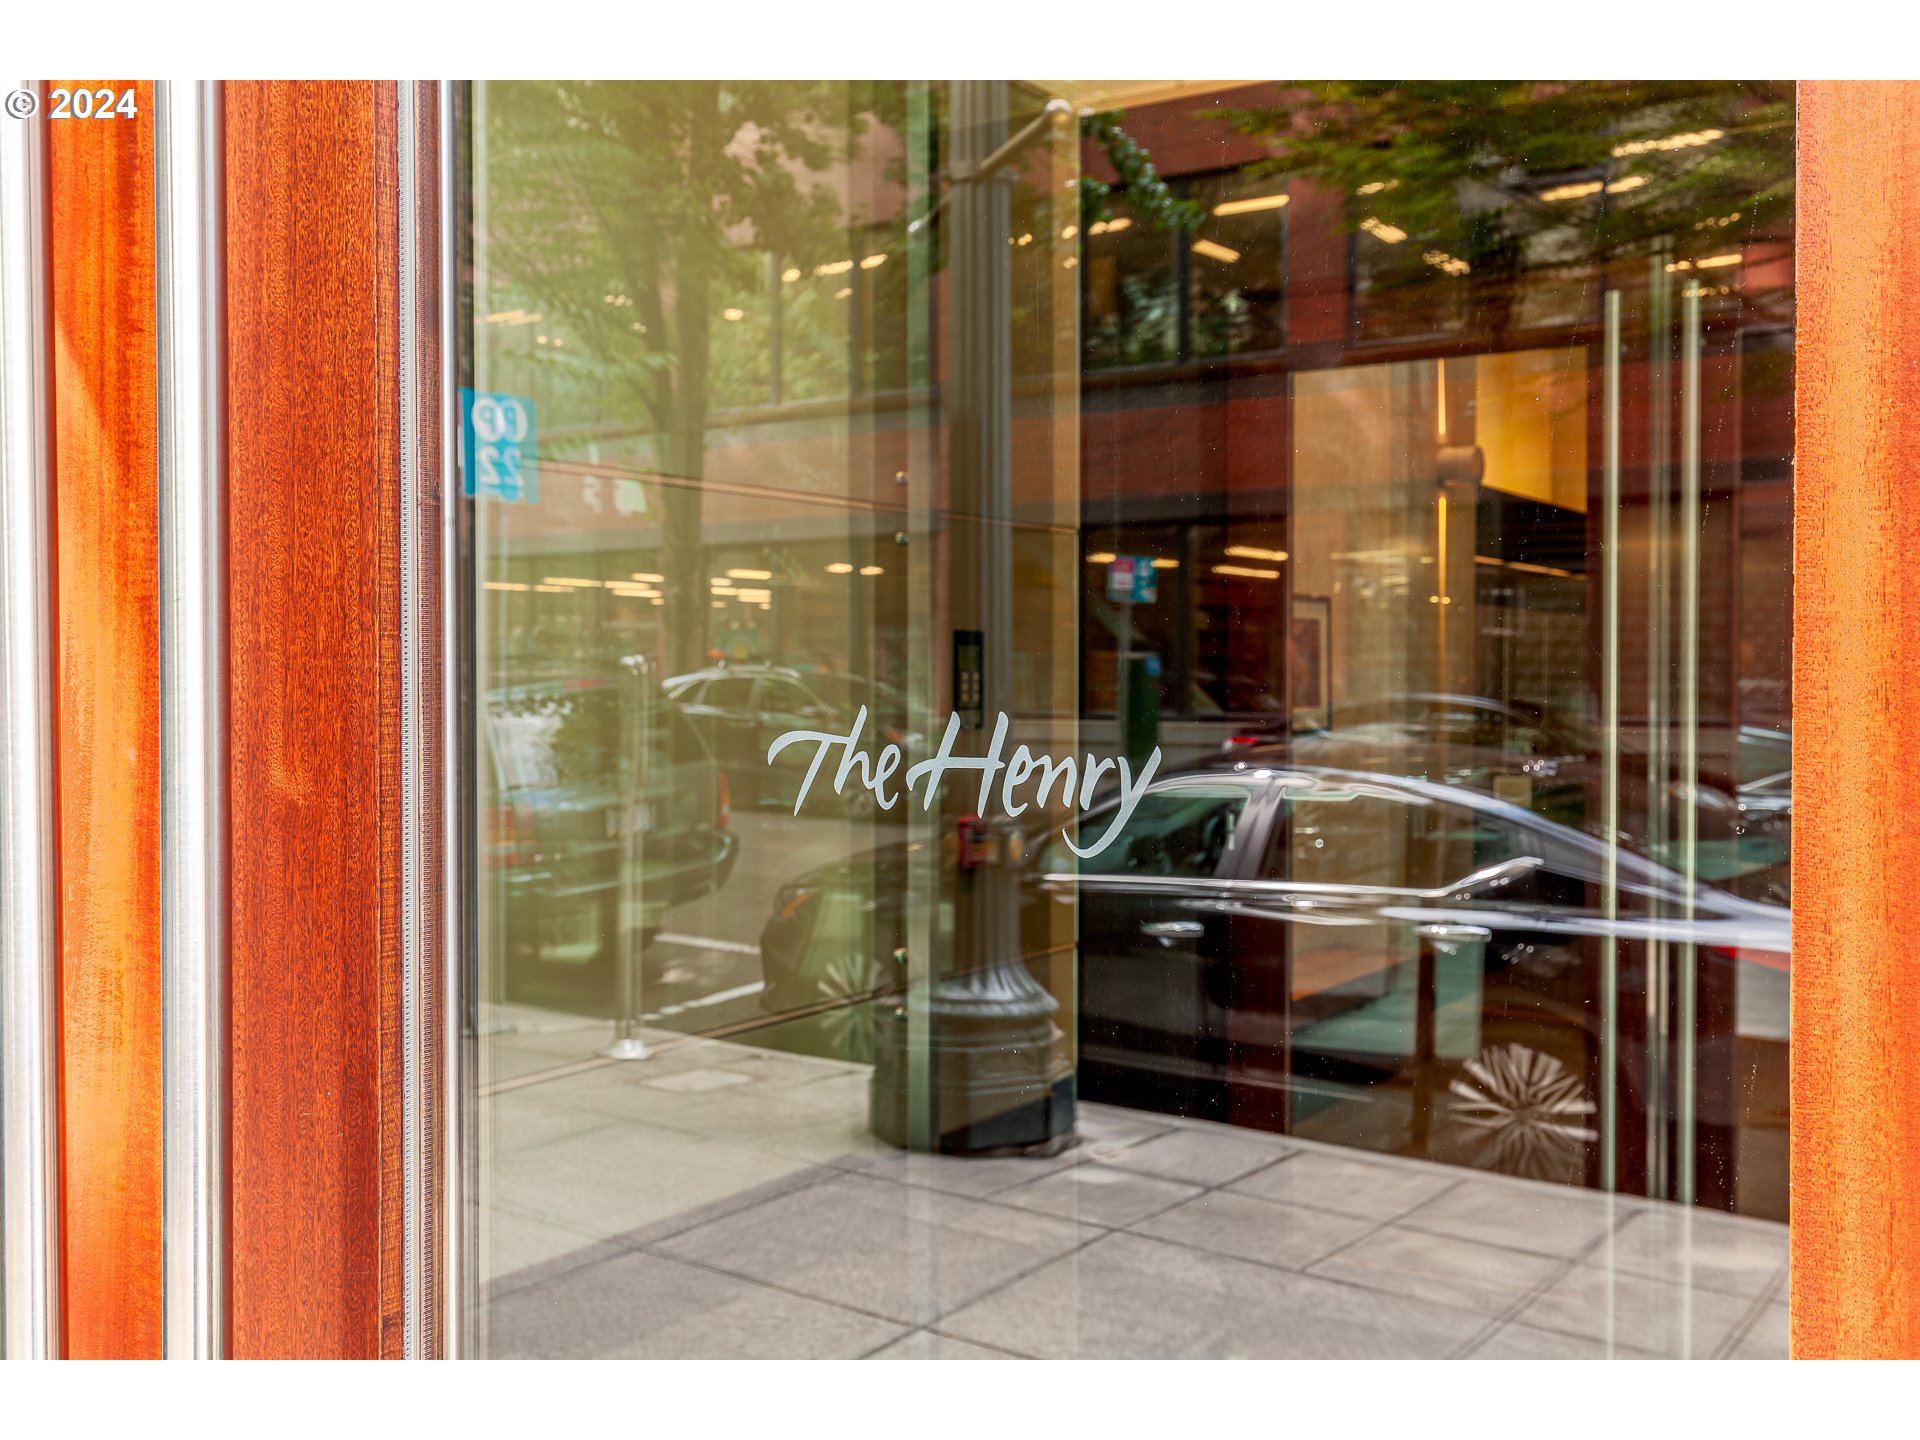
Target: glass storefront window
{"x": 1203, "y": 774}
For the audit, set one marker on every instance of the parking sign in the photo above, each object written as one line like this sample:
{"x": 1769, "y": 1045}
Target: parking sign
{"x": 497, "y": 447}
{"x": 1132, "y": 580}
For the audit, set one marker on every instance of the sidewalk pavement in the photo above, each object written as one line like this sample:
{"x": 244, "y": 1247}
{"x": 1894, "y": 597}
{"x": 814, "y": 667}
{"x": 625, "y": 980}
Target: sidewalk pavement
{"x": 723, "y": 1200}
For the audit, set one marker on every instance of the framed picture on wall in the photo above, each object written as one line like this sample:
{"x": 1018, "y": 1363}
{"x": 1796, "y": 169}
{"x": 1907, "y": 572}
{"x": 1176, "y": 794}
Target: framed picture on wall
{"x": 1310, "y": 661}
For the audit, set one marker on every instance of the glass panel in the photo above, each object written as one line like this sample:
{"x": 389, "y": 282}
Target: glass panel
{"x": 1065, "y": 741}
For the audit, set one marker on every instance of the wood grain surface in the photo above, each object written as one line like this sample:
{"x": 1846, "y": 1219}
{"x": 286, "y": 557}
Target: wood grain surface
{"x": 108, "y": 659}
{"x": 1856, "y": 688}
{"x": 314, "y": 487}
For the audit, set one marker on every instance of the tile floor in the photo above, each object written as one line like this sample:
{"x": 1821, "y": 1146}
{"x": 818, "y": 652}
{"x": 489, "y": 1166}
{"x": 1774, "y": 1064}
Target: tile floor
{"x": 720, "y": 1200}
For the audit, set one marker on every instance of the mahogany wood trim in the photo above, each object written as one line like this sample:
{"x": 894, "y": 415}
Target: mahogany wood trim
{"x": 107, "y": 662}
{"x": 1856, "y": 988}
{"x": 314, "y": 490}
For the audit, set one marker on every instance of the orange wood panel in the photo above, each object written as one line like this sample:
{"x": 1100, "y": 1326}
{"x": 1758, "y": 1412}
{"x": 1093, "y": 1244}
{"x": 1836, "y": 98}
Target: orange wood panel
{"x": 313, "y": 480}
{"x": 1856, "y": 988}
{"x": 102, "y": 246}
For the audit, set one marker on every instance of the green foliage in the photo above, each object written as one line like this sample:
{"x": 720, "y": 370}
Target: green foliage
{"x": 1466, "y": 167}
{"x": 1147, "y": 195}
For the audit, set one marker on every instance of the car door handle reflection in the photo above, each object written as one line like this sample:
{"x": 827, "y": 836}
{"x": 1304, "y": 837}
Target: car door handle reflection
{"x": 1167, "y": 931}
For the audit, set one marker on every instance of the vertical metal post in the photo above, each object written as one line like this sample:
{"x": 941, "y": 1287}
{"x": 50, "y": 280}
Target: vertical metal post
{"x": 1690, "y": 522}
{"x": 1610, "y": 745}
{"x": 980, "y": 421}
{"x": 415, "y": 493}
{"x": 1609, "y": 1083}
{"x": 29, "y": 960}
{"x": 455, "y": 789}
{"x": 1659, "y": 1015}
{"x": 191, "y": 424}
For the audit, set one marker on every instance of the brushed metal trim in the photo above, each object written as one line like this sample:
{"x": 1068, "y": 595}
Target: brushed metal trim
{"x": 29, "y": 918}
{"x": 190, "y": 327}
{"x": 414, "y": 1002}
{"x": 453, "y": 1151}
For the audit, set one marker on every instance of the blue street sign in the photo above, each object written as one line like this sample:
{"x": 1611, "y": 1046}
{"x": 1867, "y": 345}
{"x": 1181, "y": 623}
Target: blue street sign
{"x": 1132, "y": 580}
{"x": 497, "y": 447}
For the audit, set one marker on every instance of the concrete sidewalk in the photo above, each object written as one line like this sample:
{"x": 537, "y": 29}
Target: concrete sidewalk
{"x": 722, "y": 1200}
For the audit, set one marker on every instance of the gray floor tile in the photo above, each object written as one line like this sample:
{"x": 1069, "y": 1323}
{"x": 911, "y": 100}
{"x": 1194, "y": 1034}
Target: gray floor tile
{"x": 625, "y": 1176}
{"x": 898, "y": 1250}
{"x": 973, "y": 1176}
{"x": 1129, "y": 1297}
{"x": 1547, "y": 1220}
{"x": 931, "y": 1345}
{"x": 1109, "y": 1126}
{"x": 1740, "y": 1256}
{"x": 1441, "y": 1269}
{"x": 1361, "y": 1189}
{"x": 1646, "y": 1314}
{"x": 1527, "y": 1342}
{"x": 643, "y": 1307}
{"x": 1293, "y": 1236}
{"x": 1202, "y": 1157}
{"x": 1767, "y": 1340}
{"x": 1099, "y": 1194}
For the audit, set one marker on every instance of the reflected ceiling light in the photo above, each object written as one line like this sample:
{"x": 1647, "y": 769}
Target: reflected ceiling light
{"x": 840, "y": 567}
{"x": 838, "y": 267}
{"x": 719, "y": 604}
{"x": 638, "y": 328}
{"x": 727, "y": 592}
{"x": 647, "y": 577}
{"x": 1107, "y": 227}
{"x": 1446, "y": 263}
{"x": 734, "y": 314}
{"x": 1069, "y": 232}
{"x": 539, "y": 339}
{"x": 1578, "y": 190}
{"x": 1679, "y": 265}
{"x": 1386, "y": 234}
{"x": 871, "y": 570}
{"x": 1069, "y": 262}
{"x": 506, "y": 585}
{"x": 512, "y": 317}
{"x": 1216, "y": 252}
{"x": 1026, "y": 239}
{"x": 1166, "y": 564}
{"x": 1254, "y": 552}
{"x": 790, "y": 275}
{"x": 842, "y": 294}
{"x": 1626, "y": 183}
{"x": 656, "y": 600}
{"x": 1249, "y": 572}
{"x": 1251, "y": 204}
{"x": 1374, "y": 187}
{"x": 755, "y": 597}
{"x": 1713, "y": 223}
{"x": 1100, "y": 557}
{"x": 1713, "y": 262}
{"x": 749, "y": 574}
{"x": 556, "y": 590}
{"x": 567, "y": 580}
{"x": 766, "y": 604}
{"x": 1686, "y": 141}
{"x": 873, "y": 262}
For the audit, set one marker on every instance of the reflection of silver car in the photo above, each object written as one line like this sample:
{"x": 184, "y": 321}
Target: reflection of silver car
{"x": 607, "y": 811}
{"x": 1369, "y": 958}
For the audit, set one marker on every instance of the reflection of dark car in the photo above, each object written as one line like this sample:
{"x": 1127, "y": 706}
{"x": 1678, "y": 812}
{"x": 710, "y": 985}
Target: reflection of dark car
{"x": 607, "y": 811}
{"x": 740, "y": 710}
{"x": 1376, "y": 959}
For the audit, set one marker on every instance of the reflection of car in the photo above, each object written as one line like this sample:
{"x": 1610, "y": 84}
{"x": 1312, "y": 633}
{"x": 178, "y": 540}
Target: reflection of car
{"x": 740, "y": 710}
{"x": 607, "y": 811}
{"x": 1385, "y": 960}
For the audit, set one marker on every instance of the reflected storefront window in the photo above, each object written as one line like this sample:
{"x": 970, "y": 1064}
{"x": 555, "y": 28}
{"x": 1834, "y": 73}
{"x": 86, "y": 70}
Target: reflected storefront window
{"x": 1117, "y": 721}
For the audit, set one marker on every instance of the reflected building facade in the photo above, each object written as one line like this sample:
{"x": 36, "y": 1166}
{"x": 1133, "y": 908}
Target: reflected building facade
{"x": 1449, "y": 929}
